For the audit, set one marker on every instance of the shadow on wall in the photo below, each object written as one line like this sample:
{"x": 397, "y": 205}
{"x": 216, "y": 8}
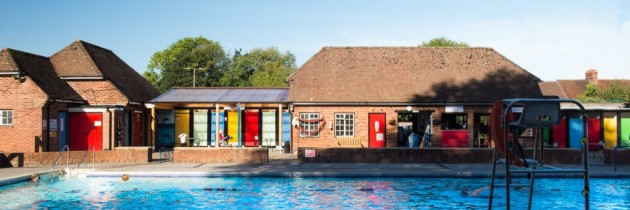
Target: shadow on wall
{"x": 500, "y": 84}
{"x": 6, "y": 162}
{"x": 39, "y": 144}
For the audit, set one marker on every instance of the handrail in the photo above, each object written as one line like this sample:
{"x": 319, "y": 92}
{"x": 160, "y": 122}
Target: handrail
{"x": 83, "y": 159}
{"x": 67, "y": 150}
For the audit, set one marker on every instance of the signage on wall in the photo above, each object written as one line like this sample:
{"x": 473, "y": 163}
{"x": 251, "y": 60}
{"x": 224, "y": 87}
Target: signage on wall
{"x": 97, "y": 123}
{"x": 53, "y": 124}
{"x": 309, "y": 153}
{"x": 454, "y": 109}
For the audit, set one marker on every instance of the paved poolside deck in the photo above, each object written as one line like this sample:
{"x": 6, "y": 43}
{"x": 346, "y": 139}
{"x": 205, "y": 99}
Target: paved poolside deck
{"x": 286, "y": 165}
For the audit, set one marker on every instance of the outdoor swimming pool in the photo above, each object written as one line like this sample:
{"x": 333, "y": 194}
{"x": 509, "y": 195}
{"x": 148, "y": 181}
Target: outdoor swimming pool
{"x": 283, "y": 193}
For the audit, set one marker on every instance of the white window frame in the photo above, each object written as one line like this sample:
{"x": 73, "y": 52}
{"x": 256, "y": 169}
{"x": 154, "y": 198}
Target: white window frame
{"x": 6, "y": 117}
{"x": 309, "y": 126}
{"x": 344, "y": 124}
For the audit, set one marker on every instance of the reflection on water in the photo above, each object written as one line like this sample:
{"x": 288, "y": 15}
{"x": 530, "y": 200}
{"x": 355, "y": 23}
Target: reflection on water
{"x": 283, "y": 193}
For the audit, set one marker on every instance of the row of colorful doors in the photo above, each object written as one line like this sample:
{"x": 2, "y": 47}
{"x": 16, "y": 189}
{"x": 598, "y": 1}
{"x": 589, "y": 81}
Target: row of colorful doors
{"x": 257, "y": 128}
{"x": 601, "y": 127}
{"x": 84, "y": 130}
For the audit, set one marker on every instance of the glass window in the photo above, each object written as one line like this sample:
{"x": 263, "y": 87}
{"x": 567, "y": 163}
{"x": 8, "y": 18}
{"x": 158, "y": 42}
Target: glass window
{"x": 344, "y": 124}
{"x": 454, "y": 121}
{"x": 309, "y": 122}
{"x": 6, "y": 117}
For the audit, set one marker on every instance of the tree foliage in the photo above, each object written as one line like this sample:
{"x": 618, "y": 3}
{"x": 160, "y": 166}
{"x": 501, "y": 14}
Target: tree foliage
{"x": 443, "y": 42}
{"x": 173, "y": 67}
{"x": 614, "y": 92}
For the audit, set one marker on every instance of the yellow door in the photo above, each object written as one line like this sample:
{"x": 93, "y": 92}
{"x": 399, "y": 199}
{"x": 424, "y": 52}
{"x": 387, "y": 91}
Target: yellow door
{"x": 233, "y": 127}
{"x": 610, "y": 129}
{"x": 182, "y": 126}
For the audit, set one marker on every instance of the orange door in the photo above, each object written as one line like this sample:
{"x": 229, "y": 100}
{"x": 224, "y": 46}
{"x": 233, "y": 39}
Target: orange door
{"x": 377, "y": 130}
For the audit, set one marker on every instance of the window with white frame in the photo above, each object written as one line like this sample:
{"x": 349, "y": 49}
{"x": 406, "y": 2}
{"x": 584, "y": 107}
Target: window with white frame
{"x": 309, "y": 122}
{"x": 344, "y": 124}
{"x": 6, "y": 117}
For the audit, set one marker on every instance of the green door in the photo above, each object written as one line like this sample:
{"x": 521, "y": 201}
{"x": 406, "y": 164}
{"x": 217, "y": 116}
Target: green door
{"x": 625, "y": 129}
{"x": 200, "y": 128}
{"x": 269, "y": 128}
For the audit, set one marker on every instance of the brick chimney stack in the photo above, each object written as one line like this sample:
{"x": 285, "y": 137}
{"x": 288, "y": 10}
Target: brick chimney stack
{"x": 591, "y": 76}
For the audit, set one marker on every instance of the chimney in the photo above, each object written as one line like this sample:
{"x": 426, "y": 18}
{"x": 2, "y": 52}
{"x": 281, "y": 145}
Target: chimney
{"x": 591, "y": 76}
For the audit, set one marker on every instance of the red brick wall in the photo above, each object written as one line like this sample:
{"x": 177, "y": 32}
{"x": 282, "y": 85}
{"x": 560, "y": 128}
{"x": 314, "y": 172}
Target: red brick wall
{"x": 220, "y": 155}
{"x": 119, "y": 155}
{"x": 27, "y": 101}
{"x": 328, "y": 139}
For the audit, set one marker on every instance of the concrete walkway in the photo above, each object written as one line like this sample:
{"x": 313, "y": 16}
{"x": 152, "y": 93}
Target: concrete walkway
{"x": 286, "y": 165}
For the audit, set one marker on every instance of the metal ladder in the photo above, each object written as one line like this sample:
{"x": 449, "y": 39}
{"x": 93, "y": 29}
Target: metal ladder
{"x": 536, "y": 114}
{"x": 65, "y": 149}
{"x": 84, "y": 158}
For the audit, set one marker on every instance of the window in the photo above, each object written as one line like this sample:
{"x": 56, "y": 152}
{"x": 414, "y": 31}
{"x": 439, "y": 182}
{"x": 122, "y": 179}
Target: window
{"x": 310, "y": 124}
{"x": 344, "y": 124}
{"x": 454, "y": 121}
{"x": 6, "y": 117}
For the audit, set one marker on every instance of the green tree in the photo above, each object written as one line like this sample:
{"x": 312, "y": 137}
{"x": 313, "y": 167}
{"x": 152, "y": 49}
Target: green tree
{"x": 614, "y": 92}
{"x": 259, "y": 68}
{"x": 443, "y": 42}
{"x": 175, "y": 65}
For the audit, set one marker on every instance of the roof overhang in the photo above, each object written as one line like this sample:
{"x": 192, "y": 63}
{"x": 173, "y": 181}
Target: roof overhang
{"x": 83, "y": 78}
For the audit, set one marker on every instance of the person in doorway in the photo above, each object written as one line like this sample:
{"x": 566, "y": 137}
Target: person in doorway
{"x": 222, "y": 141}
{"x": 182, "y": 139}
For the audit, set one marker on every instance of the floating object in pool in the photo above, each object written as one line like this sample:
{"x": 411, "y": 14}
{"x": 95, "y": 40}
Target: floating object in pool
{"x": 233, "y": 189}
{"x": 365, "y": 189}
{"x": 125, "y": 177}
{"x": 220, "y": 189}
{"x": 207, "y": 189}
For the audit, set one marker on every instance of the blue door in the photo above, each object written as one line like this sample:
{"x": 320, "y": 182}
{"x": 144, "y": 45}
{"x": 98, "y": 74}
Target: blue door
{"x": 213, "y": 126}
{"x": 286, "y": 127}
{"x": 576, "y": 132}
{"x": 62, "y": 129}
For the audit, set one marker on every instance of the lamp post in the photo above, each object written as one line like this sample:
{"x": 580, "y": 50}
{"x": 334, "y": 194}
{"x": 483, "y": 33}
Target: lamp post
{"x": 194, "y": 74}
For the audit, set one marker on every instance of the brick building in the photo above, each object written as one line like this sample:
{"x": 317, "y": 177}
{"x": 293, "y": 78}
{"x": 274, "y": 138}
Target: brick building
{"x": 97, "y": 100}
{"x": 378, "y": 96}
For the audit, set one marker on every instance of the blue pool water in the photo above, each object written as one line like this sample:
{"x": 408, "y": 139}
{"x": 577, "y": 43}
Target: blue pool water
{"x": 309, "y": 193}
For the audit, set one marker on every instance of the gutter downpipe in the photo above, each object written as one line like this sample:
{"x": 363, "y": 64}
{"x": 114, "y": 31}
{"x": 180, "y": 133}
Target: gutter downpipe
{"x": 110, "y": 128}
{"x": 48, "y": 103}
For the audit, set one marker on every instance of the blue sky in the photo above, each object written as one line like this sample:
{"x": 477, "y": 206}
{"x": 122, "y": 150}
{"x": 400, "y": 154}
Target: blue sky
{"x": 551, "y": 39}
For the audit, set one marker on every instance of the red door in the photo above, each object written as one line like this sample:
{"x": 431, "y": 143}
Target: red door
{"x": 594, "y": 133}
{"x": 560, "y": 134}
{"x": 137, "y": 129}
{"x": 377, "y": 130}
{"x": 251, "y": 129}
{"x": 85, "y": 131}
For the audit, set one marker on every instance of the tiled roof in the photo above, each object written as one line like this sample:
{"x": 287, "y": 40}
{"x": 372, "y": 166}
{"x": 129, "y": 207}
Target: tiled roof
{"x": 82, "y": 59}
{"x": 41, "y": 71}
{"x": 574, "y": 88}
{"x": 410, "y": 75}
{"x": 552, "y": 89}
{"x": 226, "y": 95}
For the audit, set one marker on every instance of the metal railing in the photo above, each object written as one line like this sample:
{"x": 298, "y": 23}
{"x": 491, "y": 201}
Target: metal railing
{"x": 84, "y": 158}
{"x": 64, "y": 149}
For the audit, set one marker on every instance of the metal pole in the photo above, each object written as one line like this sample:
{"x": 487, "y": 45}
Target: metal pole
{"x": 194, "y": 78}
{"x": 239, "y": 125}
